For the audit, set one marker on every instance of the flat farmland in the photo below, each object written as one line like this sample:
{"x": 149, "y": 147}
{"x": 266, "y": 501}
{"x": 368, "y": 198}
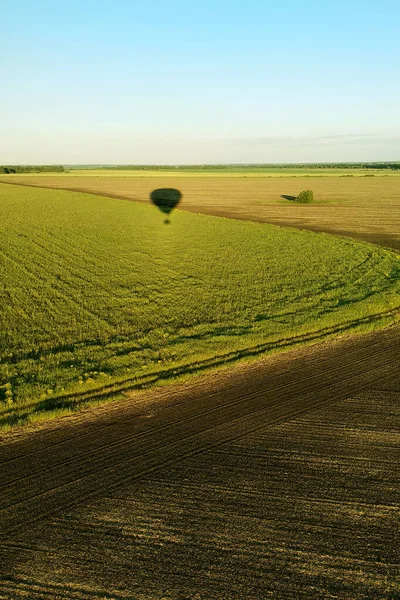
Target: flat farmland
{"x": 99, "y": 296}
{"x": 277, "y": 480}
{"x": 273, "y": 478}
{"x": 363, "y": 207}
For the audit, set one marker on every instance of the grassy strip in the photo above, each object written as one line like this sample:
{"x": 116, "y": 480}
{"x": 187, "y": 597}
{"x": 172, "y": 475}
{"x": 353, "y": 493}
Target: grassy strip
{"x": 63, "y": 404}
{"x": 234, "y": 172}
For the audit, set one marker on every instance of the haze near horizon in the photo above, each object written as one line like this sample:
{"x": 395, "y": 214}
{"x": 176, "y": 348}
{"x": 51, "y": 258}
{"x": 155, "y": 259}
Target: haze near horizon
{"x": 209, "y": 83}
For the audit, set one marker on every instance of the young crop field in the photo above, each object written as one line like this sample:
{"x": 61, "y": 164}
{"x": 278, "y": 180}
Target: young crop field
{"x": 99, "y": 296}
{"x": 364, "y": 206}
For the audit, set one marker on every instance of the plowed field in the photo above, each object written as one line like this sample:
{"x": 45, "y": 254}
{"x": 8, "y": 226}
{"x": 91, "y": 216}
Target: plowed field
{"x": 280, "y": 479}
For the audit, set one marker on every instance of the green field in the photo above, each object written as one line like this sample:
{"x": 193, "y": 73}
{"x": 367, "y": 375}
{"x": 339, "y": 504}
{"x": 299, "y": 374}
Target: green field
{"x": 99, "y": 296}
{"x": 303, "y": 171}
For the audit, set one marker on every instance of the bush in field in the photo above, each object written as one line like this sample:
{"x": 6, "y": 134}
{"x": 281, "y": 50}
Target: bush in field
{"x": 305, "y": 197}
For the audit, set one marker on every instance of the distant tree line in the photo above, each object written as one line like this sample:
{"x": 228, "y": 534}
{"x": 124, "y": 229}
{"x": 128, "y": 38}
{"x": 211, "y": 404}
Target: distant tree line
{"x": 31, "y": 169}
{"x": 394, "y": 166}
{"x": 231, "y": 167}
{"x": 372, "y": 165}
{"x": 234, "y": 167}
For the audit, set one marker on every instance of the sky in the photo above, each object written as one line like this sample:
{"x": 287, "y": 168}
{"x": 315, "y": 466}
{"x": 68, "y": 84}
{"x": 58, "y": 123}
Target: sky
{"x": 183, "y": 82}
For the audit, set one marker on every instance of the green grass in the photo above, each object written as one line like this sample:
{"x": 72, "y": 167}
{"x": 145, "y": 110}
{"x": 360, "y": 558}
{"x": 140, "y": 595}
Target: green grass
{"x": 236, "y": 172}
{"x": 99, "y": 296}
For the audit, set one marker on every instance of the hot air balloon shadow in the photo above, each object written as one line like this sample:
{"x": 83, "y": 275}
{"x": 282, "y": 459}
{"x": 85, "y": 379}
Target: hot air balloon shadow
{"x": 166, "y": 200}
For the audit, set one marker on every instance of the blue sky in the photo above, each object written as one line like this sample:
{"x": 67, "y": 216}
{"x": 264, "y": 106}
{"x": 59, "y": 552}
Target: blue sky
{"x": 194, "y": 82}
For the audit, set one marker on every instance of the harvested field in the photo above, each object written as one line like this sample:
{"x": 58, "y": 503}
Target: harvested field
{"x": 366, "y": 207}
{"x": 282, "y": 483}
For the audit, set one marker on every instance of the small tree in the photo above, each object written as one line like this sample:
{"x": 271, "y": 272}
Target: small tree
{"x": 305, "y": 197}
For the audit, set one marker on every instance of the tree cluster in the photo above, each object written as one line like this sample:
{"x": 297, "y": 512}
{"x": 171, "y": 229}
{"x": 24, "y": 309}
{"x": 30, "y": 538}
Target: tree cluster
{"x": 6, "y": 169}
{"x": 234, "y": 167}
